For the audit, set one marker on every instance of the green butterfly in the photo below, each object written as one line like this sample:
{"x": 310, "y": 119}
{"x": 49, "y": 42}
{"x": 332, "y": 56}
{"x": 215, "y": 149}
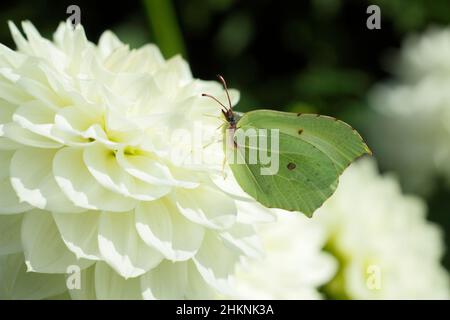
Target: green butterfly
{"x": 287, "y": 160}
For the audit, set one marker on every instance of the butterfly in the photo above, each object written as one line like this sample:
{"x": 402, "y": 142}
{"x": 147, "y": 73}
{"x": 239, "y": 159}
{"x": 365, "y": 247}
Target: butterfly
{"x": 284, "y": 160}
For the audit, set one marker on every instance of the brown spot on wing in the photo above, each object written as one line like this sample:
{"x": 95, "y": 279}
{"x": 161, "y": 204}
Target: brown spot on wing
{"x": 291, "y": 166}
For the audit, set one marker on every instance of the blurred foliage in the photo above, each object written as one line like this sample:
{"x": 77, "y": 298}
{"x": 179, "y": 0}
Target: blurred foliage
{"x": 165, "y": 27}
{"x": 309, "y": 56}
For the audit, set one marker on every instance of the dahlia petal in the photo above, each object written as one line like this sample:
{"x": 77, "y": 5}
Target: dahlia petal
{"x": 77, "y": 127}
{"x": 19, "y": 39}
{"x": 5, "y": 160}
{"x": 18, "y": 284}
{"x": 9, "y": 201}
{"x": 111, "y": 286}
{"x": 122, "y": 248}
{"x": 25, "y": 137}
{"x": 77, "y": 47}
{"x": 168, "y": 281}
{"x": 206, "y": 206}
{"x": 251, "y": 212}
{"x": 43, "y": 247}
{"x": 197, "y": 288}
{"x": 9, "y": 74}
{"x": 161, "y": 226}
{"x": 6, "y": 112}
{"x": 58, "y": 35}
{"x": 215, "y": 263}
{"x": 244, "y": 238}
{"x": 34, "y": 183}
{"x": 229, "y": 185}
{"x": 12, "y": 93}
{"x": 87, "y": 285}
{"x": 10, "y": 234}
{"x": 176, "y": 72}
{"x": 74, "y": 39}
{"x": 10, "y": 57}
{"x": 131, "y": 87}
{"x": 37, "y": 118}
{"x": 102, "y": 164}
{"x": 147, "y": 58}
{"x": 116, "y": 61}
{"x": 108, "y": 43}
{"x": 79, "y": 232}
{"x": 7, "y": 144}
{"x": 34, "y": 38}
{"x": 81, "y": 188}
{"x": 40, "y": 91}
{"x": 143, "y": 167}
{"x": 75, "y": 120}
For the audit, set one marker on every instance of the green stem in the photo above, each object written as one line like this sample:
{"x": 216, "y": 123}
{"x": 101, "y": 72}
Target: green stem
{"x": 163, "y": 23}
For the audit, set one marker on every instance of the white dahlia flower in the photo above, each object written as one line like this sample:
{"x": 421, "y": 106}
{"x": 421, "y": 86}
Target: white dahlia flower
{"x": 385, "y": 247}
{"x": 411, "y": 130}
{"x": 294, "y": 265}
{"x": 97, "y": 173}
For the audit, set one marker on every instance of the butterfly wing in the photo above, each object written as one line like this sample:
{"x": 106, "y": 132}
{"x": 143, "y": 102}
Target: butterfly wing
{"x": 312, "y": 153}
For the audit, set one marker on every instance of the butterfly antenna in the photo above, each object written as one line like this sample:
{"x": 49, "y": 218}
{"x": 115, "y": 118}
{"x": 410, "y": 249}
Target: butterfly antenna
{"x": 224, "y": 83}
{"x": 215, "y": 99}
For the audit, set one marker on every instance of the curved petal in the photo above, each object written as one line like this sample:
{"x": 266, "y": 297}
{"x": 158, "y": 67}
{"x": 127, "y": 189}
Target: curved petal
{"x": 216, "y": 263}
{"x": 6, "y": 112}
{"x": 243, "y": 237}
{"x": 102, "y": 164}
{"x": 160, "y": 225}
{"x": 32, "y": 179}
{"x": 11, "y": 58}
{"x": 251, "y": 212}
{"x": 25, "y": 137}
{"x": 143, "y": 167}
{"x": 111, "y": 286}
{"x": 10, "y": 234}
{"x": 108, "y": 43}
{"x": 37, "y": 118}
{"x": 87, "y": 285}
{"x": 206, "y": 206}
{"x": 81, "y": 124}
{"x": 122, "y": 248}
{"x": 197, "y": 288}
{"x": 12, "y": 94}
{"x": 18, "y": 284}
{"x": 77, "y": 121}
{"x": 79, "y": 232}
{"x": 43, "y": 247}
{"x": 9, "y": 201}
{"x": 5, "y": 160}
{"x": 81, "y": 188}
{"x": 6, "y": 143}
{"x": 168, "y": 281}
{"x": 176, "y": 72}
